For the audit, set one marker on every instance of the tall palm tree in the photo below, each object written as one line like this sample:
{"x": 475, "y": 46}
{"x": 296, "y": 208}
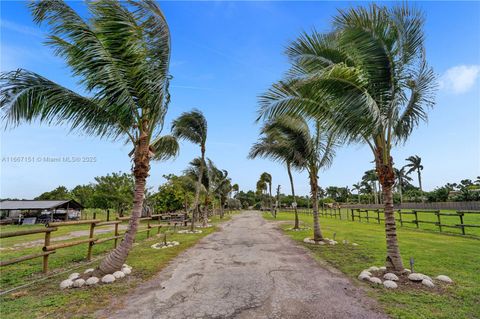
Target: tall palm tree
{"x": 121, "y": 55}
{"x": 315, "y": 153}
{"x": 221, "y": 185}
{"x": 357, "y": 187}
{"x": 198, "y": 172}
{"x": 402, "y": 180}
{"x": 192, "y": 126}
{"x": 283, "y": 146}
{"x": 367, "y": 79}
{"x": 371, "y": 178}
{"x": 415, "y": 165}
{"x": 267, "y": 178}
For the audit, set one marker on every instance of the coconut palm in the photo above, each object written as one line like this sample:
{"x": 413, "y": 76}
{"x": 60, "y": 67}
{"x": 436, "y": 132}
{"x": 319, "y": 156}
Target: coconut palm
{"x": 402, "y": 180}
{"x": 358, "y": 188}
{"x": 369, "y": 80}
{"x": 192, "y": 126}
{"x": 371, "y": 178}
{"x": 198, "y": 173}
{"x": 121, "y": 55}
{"x": 415, "y": 165}
{"x": 313, "y": 153}
{"x": 221, "y": 185}
{"x": 267, "y": 178}
{"x": 286, "y": 147}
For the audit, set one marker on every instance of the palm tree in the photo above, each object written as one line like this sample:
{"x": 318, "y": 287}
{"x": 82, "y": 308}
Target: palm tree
{"x": 267, "y": 178}
{"x": 221, "y": 185}
{"x": 371, "y": 178}
{"x": 402, "y": 180}
{"x": 357, "y": 187}
{"x": 369, "y": 80}
{"x": 192, "y": 126}
{"x": 314, "y": 152}
{"x": 415, "y": 165}
{"x": 282, "y": 146}
{"x": 127, "y": 96}
{"x": 198, "y": 173}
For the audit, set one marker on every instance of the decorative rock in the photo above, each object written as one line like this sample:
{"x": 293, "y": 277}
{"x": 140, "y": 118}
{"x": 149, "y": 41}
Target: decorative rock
{"x": 127, "y": 271}
{"x": 390, "y": 284}
{"x": 89, "y": 270}
{"x": 107, "y": 279}
{"x": 354, "y": 244}
{"x": 426, "y": 277}
{"x": 78, "y": 283}
{"x": 74, "y": 276}
{"x": 126, "y": 266}
{"x": 427, "y": 283}
{"x": 407, "y": 271}
{"x": 444, "y": 279}
{"x": 366, "y": 272}
{"x": 67, "y": 283}
{"x": 376, "y": 280}
{"x": 92, "y": 281}
{"x": 415, "y": 277}
{"x": 363, "y": 276}
{"x": 383, "y": 268}
{"x": 373, "y": 268}
{"x": 311, "y": 241}
{"x": 390, "y": 276}
{"x": 119, "y": 274}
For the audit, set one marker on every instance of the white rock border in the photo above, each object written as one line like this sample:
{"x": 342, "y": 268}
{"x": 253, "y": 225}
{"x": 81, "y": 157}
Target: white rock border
{"x": 78, "y": 282}
{"x": 162, "y": 245}
{"x": 187, "y": 231}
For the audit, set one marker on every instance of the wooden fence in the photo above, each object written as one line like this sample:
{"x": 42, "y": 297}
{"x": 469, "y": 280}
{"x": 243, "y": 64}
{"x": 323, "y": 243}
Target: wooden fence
{"x": 49, "y": 248}
{"x": 378, "y": 216}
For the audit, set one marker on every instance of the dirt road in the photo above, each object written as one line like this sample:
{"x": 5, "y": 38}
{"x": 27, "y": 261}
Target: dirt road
{"x": 247, "y": 270}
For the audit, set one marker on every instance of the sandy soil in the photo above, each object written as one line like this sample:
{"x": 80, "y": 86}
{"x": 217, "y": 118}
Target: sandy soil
{"x": 249, "y": 269}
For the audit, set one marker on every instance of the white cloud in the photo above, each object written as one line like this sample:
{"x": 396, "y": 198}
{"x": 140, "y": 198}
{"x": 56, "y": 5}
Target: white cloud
{"x": 459, "y": 79}
{"x": 20, "y": 28}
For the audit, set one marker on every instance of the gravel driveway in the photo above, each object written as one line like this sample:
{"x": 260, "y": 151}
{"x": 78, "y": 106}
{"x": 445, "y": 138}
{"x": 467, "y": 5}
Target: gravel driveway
{"x": 248, "y": 269}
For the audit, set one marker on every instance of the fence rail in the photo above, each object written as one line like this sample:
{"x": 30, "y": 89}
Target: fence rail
{"x": 92, "y": 240}
{"x": 378, "y": 216}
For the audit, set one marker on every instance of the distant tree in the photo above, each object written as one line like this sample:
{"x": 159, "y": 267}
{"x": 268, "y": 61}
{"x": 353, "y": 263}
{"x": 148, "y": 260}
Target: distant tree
{"x": 267, "y": 178}
{"x": 415, "y": 164}
{"x": 84, "y": 194}
{"x": 402, "y": 180}
{"x": 59, "y": 193}
{"x": 192, "y": 126}
{"x": 115, "y": 191}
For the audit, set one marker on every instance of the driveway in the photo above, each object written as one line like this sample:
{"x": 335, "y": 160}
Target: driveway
{"x": 248, "y": 269}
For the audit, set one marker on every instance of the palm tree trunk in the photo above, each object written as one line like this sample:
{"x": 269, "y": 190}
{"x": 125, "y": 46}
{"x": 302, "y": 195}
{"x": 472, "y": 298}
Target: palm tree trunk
{"x": 196, "y": 208}
{"x": 387, "y": 179}
{"x": 271, "y": 201}
{"x": 400, "y": 190}
{"x": 296, "y": 226}
{"x": 117, "y": 257}
{"x": 205, "y": 212}
{"x": 317, "y": 233}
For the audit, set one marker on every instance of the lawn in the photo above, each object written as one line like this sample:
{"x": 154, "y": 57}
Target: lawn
{"x": 468, "y": 219}
{"x": 434, "y": 254}
{"x": 45, "y": 299}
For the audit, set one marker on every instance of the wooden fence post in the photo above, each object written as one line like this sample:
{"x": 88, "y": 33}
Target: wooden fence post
{"x": 400, "y": 214}
{"x": 378, "y": 215}
{"x": 45, "y": 257}
{"x": 116, "y": 234}
{"x": 368, "y": 217}
{"x": 353, "y": 216}
{"x": 91, "y": 243}
{"x": 416, "y": 218}
{"x": 439, "y": 221}
{"x": 460, "y": 214}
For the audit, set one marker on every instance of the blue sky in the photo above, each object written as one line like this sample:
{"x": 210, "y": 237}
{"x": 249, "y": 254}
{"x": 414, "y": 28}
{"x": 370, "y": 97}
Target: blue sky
{"x": 224, "y": 54}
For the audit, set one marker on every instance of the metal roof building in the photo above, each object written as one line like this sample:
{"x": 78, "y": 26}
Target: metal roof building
{"x": 39, "y": 204}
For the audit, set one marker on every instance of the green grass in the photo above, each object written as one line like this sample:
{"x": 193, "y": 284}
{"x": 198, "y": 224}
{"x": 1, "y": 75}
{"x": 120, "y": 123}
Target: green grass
{"x": 434, "y": 254}
{"x": 468, "y": 219}
{"x": 45, "y": 299}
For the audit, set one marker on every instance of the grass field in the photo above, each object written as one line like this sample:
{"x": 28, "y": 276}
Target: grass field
{"x": 45, "y": 299}
{"x": 434, "y": 254}
{"x": 426, "y": 220}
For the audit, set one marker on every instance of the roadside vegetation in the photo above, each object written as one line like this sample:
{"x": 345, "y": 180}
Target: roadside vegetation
{"x": 433, "y": 254}
{"x": 44, "y": 299}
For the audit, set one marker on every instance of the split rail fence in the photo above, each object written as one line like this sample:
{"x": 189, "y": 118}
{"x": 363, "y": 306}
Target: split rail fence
{"x": 154, "y": 222}
{"x": 417, "y": 217}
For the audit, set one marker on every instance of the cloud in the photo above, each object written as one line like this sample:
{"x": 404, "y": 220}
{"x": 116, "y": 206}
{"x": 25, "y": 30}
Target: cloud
{"x": 460, "y": 79}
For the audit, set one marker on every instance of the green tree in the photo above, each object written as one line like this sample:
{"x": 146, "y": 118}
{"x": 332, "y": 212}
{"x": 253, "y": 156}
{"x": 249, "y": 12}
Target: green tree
{"x": 192, "y": 126}
{"x": 267, "y": 178}
{"x": 415, "y": 164}
{"x": 59, "y": 193}
{"x": 198, "y": 172}
{"x": 402, "y": 180}
{"x": 121, "y": 55}
{"x": 368, "y": 80}
{"x": 114, "y": 190}
{"x": 84, "y": 195}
